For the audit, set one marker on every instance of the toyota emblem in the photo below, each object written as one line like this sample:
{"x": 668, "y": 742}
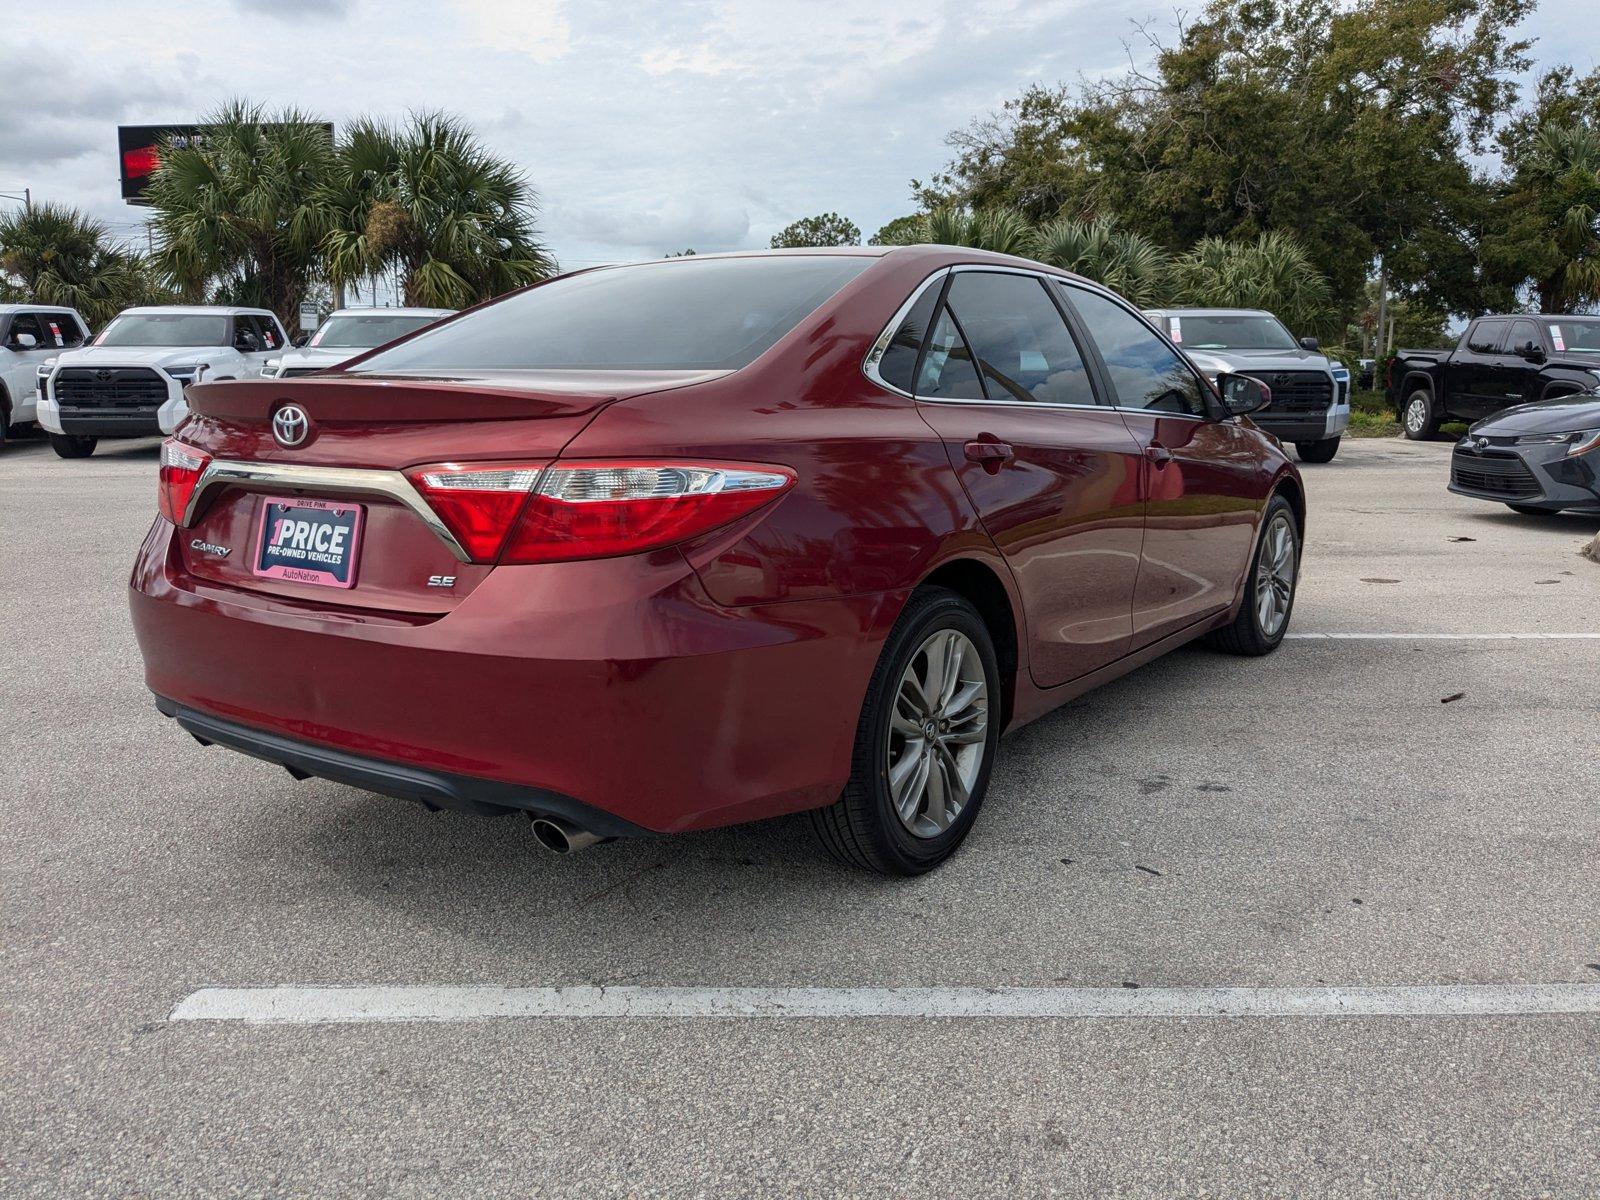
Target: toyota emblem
{"x": 290, "y": 425}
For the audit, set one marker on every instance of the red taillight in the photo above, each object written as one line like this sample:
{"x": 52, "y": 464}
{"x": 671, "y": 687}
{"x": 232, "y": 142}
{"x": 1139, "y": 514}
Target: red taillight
{"x": 520, "y": 513}
{"x": 181, "y": 468}
{"x": 478, "y": 502}
{"x": 605, "y": 508}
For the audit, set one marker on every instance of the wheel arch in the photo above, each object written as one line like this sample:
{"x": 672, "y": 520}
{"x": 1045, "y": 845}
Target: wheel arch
{"x": 982, "y": 586}
{"x": 1291, "y": 489}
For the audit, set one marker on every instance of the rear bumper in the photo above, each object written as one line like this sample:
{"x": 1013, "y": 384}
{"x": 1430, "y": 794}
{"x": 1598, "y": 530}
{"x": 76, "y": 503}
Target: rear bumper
{"x": 616, "y": 684}
{"x": 435, "y": 789}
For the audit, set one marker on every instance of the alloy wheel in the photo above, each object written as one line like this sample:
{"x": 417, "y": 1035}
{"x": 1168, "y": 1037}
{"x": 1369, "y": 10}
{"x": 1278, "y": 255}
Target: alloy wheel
{"x": 938, "y": 733}
{"x": 1275, "y": 575}
{"x": 1417, "y": 414}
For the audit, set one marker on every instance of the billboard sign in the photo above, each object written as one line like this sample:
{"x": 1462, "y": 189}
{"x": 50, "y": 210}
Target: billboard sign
{"x": 139, "y": 152}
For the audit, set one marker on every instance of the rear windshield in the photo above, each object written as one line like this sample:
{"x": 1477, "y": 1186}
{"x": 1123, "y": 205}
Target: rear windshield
{"x": 344, "y": 333}
{"x": 167, "y": 329}
{"x": 1195, "y": 332}
{"x": 716, "y": 314}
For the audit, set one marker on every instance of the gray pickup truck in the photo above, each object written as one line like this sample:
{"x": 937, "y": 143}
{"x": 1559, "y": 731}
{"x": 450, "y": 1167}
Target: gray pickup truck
{"x": 1310, "y": 392}
{"x": 1500, "y": 362}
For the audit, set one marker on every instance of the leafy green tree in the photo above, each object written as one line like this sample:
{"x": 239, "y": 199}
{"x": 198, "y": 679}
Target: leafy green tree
{"x": 428, "y": 201}
{"x": 892, "y": 233}
{"x": 51, "y": 254}
{"x": 1353, "y": 126}
{"x": 1273, "y": 272}
{"x": 1126, "y": 262}
{"x": 824, "y": 229}
{"x": 237, "y": 210}
{"x": 1542, "y": 239}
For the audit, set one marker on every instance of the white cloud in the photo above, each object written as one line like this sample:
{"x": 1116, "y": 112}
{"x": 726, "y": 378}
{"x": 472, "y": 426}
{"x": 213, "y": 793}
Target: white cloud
{"x": 645, "y": 127}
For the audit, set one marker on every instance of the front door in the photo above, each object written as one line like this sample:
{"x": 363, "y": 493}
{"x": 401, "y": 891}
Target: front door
{"x": 1478, "y": 377}
{"x": 1054, "y": 476}
{"x": 1203, "y": 473}
{"x": 28, "y": 346}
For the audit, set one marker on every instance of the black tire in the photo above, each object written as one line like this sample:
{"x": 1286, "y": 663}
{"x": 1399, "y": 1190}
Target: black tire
{"x": 1245, "y": 634}
{"x": 1419, "y": 417}
{"x": 68, "y": 445}
{"x": 862, "y": 829}
{"x": 1529, "y": 510}
{"x": 1319, "y": 451}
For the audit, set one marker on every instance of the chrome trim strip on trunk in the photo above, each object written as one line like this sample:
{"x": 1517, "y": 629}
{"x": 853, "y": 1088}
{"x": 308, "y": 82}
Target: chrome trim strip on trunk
{"x": 356, "y": 481}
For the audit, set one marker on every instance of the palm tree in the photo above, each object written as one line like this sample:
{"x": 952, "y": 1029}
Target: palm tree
{"x": 429, "y": 202}
{"x": 1273, "y": 273}
{"x": 1127, "y": 263}
{"x": 998, "y": 229}
{"x": 235, "y": 211}
{"x": 51, "y": 254}
{"x": 1566, "y": 165}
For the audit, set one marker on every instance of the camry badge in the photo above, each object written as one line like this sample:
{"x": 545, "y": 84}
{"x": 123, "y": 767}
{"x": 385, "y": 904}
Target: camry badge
{"x": 290, "y": 425}
{"x": 211, "y": 548}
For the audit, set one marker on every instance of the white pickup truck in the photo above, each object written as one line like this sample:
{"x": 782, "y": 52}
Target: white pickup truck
{"x": 31, "y": 334}
{"x": 348, "y": 332}
{"x": 129, "y": 381}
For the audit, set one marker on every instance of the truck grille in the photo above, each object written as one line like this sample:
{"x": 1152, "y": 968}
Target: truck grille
{"x": 1298, "y": 391}
{"x": 1500, "y": 476}
{"x": 109, "y": 387}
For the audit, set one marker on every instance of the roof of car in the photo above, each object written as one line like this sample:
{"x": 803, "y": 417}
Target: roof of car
{"x": 1212, "y": 312}
{"x": 218, "y": 310}
{"x": 16, "y": 308}
{"x": 367, "y": 310}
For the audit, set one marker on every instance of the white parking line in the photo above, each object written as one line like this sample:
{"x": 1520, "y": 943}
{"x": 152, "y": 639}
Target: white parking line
{"x": 1446, "y": 637}
{"x": 362, "y": 1005}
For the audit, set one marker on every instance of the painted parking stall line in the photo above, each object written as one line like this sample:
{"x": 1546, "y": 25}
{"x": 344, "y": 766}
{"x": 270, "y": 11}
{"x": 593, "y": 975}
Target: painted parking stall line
{"x": 374, "y": 1005}
{"x": 1444, "y": 637}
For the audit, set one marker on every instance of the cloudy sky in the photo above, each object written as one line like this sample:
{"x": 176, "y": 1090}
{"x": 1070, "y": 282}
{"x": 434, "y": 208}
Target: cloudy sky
{"x": 645, "y": 127}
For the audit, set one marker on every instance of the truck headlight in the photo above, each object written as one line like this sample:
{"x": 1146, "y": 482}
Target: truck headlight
{"x": 269, "y": 369}
{"x": 187, "y": 373}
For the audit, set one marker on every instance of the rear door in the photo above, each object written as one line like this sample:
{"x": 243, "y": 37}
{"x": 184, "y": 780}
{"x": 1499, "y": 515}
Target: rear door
{"x": 1477, "y": 374}
{"x": 1203, "y": 480}
{"x": 1053, "y": 474}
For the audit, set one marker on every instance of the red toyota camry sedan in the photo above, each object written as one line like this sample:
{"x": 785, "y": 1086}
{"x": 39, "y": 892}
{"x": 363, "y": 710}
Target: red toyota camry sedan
{"x": 680, "y": 544}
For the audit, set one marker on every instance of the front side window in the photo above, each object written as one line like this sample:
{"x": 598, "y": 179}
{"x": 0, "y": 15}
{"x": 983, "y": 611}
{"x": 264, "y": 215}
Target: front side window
{"x": 167, "y": 329}
{"x": 1522, "y": 332}
{"x": 364, "y": 332}
{"x": 947, "y": 371}
{"x": 1019, "y": 339}
{"x": 683, "y": 314}
{"x": 1145, "y": 372}
{"x": 27, "y": 323}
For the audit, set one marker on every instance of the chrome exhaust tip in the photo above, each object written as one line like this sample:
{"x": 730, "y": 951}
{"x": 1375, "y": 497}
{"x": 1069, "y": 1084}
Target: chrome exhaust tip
{"x": 563, "y": 837}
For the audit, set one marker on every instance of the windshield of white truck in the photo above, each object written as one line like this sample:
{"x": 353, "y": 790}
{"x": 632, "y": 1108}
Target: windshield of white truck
{"x": 348, "y": 333}
{"x": 166, "y": 329}
{"x": 1195, "y": 332}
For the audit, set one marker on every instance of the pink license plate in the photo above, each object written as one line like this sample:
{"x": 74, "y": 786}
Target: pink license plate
{"x": 308, "y": 541}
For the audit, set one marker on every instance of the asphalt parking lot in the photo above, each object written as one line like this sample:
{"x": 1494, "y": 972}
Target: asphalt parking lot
{"x": 1316, "y": 819}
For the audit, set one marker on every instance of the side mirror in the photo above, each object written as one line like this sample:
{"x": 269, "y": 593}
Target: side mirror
{"x": 300, "y": 339}
{"x": 25, "y": 341}
{"x": 1241, "y": 394}
{"x": 1310, "y": 344}
{"x": 1531, "y": 351}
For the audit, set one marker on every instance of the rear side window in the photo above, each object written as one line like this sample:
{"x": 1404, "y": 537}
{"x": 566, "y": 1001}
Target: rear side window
{"x": 1487, "y": 337}
{"x": 61, "y": 330}
{"x": 710, "y": 314}
{"x": 947, "y": 370}
{"x": 898, "y": 365}
{"x": 1145, "y": 371}
{"x": 1019, "y": 339}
